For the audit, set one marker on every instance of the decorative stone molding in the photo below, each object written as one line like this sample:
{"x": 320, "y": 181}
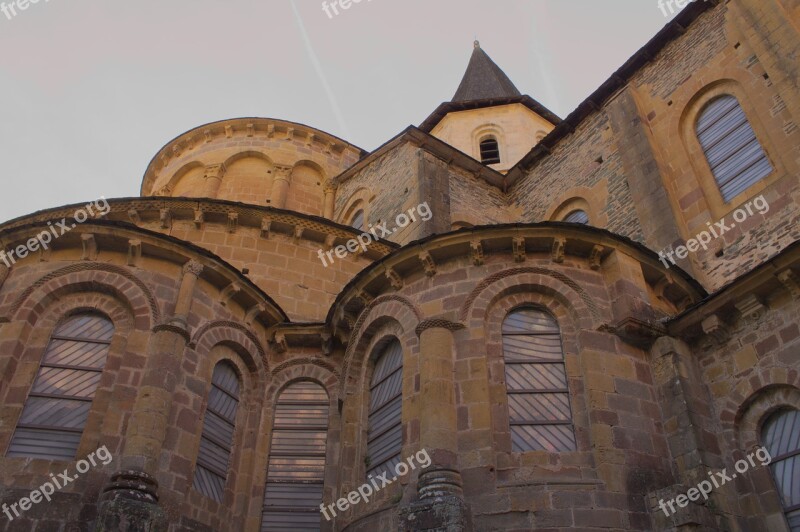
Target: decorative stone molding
{"x": 428, "y": 263}
{"x": 559, "y": 243}
{"x": 89, "y": 245}
{"x": 175, "y": 327}
{"x": 477, "y": 252}
{"x": 229, "y": 292}
{"x": 595, "y": 257}
{"x": 165, "y": 218}
{"x": 791, "y": 282}
{"x": 750, "y": 308}
{"x": 233, "y": 222}
{"x": 133, "y": 215}
{"x": 394, "y": 279}
{"x": 437, "y": 323}
{"x": 199, "y": 218}
{"x": 518, "y": 248}
{"x": 134, "y": 252}
{"x": 714, "y": 327}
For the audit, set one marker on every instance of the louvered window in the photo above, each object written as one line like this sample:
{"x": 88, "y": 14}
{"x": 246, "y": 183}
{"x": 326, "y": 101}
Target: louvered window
{"x": 385, "y": 431}
{"x": 358, "y": 220}
{"x": 577, "y": 217}
{"x": 490, "y": 151}
{"x": 296, "y": 471}
{"x": 731, "y": 147}
{"x": 216, "y": 441}
{"x": 536, "y": 381}
{"x": 781, "y": 437}
{"x": 60, "y": 399}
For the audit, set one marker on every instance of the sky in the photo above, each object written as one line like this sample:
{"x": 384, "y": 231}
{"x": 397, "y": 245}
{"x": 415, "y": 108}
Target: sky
{"x": 90, "y": 90}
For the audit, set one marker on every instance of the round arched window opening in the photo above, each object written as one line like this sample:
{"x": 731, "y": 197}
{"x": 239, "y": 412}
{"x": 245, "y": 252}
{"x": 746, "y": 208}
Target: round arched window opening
{"x": 490, "y": 151}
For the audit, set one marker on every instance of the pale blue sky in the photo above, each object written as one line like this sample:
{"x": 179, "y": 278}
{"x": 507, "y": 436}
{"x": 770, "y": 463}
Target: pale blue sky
{"x": 91, "y": 89}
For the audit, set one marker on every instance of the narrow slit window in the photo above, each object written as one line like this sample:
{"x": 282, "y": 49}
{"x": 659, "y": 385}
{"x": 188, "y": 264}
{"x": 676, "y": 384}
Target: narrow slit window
{"x": 539, "y": 411}
{"x": 219, "y": 425}
{"x": 490, "y": 151}
{"x": 732, "y": 150}
{"x": 385, "y": 431}
{"x": 781, "y": 437}
{"x": 296, "y": 470}
{"x": 58, "y": 405}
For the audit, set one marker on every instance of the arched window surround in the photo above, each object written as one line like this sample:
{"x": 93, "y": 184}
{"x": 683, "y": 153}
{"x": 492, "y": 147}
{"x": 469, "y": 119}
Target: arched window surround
{"x": 485, "y": 131}
{"x": 697, "y": 157}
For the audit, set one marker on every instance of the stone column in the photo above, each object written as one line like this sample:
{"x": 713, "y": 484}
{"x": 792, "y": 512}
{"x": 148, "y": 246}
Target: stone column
{"x": 441, "y": 497}
{"x": 280, "y": 186}
{"x": 330, "y": 200}
{"x": 130, "y": 500}
{"x": 212, "y": 180}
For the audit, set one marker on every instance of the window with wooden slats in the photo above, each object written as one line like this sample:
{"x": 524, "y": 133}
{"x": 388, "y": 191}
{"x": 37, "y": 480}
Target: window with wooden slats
{"x": 219, "y": 424}
{"x": 385, "y": 428}
{"x": 781, "y": 437}
{"x": 539, "y": 410}
{"x": 296, "y": 470}
{"x": 58, "y": 405}
{"x": 734, "y": 154}
{"x": 577, "y": 217}
{"x": 490, "y": 151}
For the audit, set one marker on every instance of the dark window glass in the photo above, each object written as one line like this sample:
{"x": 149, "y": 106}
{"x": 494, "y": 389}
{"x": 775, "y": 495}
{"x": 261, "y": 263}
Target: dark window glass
{"x": 219, "y": 424}
{"x": 536, "y": 381}
{"x": 60, "y": 399}
{"x": 385, "y": 431}
{"x": 781, "y": 437}
{"x": 296, "y": 471}
{"x": 490, "y": 151}
{"x": 731, "y": 147}
{"x": 358, "y": 220}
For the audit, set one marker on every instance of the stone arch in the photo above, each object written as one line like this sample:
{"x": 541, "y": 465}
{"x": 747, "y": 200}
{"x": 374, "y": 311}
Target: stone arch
{"x": 758, "y": 407}
{"x": 685, "y": 126}
{"x": 360, "y": 199}
{"x": 583, "y": 308}
{"x": 188, "y": 178}
{"x": 236, "y": 336}
{"x": 592, "y": 200}
{"x": 89, "y": 276}
{"x": 306, "y": 188}
{"x": 380, "y": 310}
{"x": 248, "y": 178}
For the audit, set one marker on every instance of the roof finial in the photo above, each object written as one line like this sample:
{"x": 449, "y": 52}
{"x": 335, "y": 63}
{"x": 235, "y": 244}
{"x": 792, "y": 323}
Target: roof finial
{"x": 477, "y": 43}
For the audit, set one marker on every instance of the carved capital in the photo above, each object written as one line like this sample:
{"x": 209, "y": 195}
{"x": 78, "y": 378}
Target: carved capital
{"x": 215, "y": 171}
{"x": 193, "y": 267}
{"x": 751, "y": 308}
{"x": 282, "y": 172}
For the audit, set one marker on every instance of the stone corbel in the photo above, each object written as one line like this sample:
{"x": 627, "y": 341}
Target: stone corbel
{"x": 518, "y": 248}
{"x": 714, "y": 327}
{"x": 233, "y": 221}
{"x": 89, "y": 244}
{"x": 133, "y": 214}
{"x": 134, "y": 252}
{"x": 595, "y": 257}
{"x": 428, "y": 263}
{"x": 253, "y": 312}
{"x": 791, "y": 282}
{"x": 279, "y": 343}
{"x": 266, "y": 224}
{"x": 228, "y": 293}
{"x": 559, "y": 243}
{"x": 199, "y": 218}
{"x": 750, "y": 308}
{"x": 394, "y": 278}
{"x": 165, "y": 217}
{"x": 477, "y": 252}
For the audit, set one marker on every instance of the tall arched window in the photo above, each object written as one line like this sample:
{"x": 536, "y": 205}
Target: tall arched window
{"x": 781, "y": 437}
{"x": 734, "y": 154}
{"x": 296, "y": 471}
{"x": 219, "y": 424}
{"x": 577, "y": 216}
{"x": 536, "y": 381}
{"x": 385, "y": 427}
{"x": 60, "y": 399}
{"x": 490, "y": 151}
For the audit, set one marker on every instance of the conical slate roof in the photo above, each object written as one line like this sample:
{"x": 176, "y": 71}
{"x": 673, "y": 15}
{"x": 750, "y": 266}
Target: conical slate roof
{"x": 484, "y": 80}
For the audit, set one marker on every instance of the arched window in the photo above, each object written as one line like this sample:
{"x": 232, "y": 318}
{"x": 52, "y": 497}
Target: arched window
{"x": 385, "y": 427}
{"x": 60, "y": 399}
{"x": 731, "y": 147}
{"x": 781, "y": 437}
{"x": 358, "y": 220}
{"x": 216, "y": 441}
{"x": 536, "y": 381}
{"x": 296, "y": 471}
{"x": 490, "y": 151}
{"x": 577, "y": 217}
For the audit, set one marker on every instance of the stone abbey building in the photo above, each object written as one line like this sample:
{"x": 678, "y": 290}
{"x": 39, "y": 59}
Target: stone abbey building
{"x": 552, "y": 324}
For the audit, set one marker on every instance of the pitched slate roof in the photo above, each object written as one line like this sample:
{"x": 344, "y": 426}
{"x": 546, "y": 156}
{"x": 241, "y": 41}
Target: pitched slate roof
{"x": 484, "y": 80}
